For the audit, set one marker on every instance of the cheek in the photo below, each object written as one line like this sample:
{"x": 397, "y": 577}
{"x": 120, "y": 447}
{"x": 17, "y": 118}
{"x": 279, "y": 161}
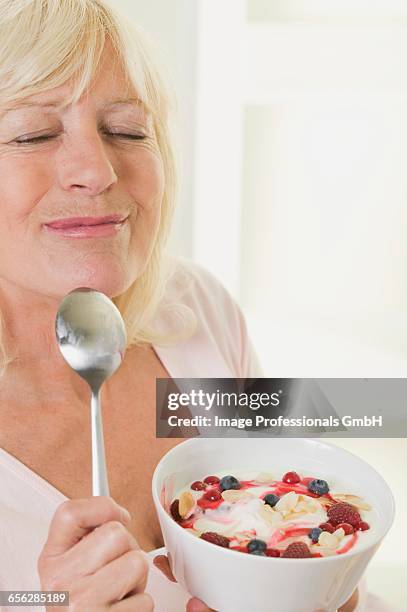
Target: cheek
{"x": 145, "y": 180}
{"x": 23, "y": 184}
{"x": 145, "y": 184}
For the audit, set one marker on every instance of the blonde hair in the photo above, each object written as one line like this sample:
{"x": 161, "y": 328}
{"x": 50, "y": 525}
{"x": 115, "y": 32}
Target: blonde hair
{"x": 45, "y": 43}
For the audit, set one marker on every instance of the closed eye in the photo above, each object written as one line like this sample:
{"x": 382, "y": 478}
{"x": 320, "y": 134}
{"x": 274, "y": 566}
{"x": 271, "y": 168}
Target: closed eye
{"x": 34, "y": 139}
{"x": 126, "y": 135}
{"x": 47, "y": 137}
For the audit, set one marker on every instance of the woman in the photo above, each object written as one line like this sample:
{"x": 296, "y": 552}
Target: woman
{"x": 87, "y": 192}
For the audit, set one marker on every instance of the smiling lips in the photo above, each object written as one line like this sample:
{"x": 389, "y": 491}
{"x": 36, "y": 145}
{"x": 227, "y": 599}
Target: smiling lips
{"x": 87, "y": 227}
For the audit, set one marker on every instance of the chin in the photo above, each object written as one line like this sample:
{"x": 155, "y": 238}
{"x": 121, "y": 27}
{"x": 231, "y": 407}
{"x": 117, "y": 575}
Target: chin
{"x": 112, "y": 280}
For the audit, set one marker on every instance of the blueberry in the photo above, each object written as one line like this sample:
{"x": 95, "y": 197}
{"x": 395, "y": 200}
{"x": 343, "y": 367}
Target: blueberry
{"x": 255, "y": 547}
{"x": 314, "y": 534}
{"x": 320, "y": 487}
{"x": 271, "y": 499}
{"x": 229, "y": 482}
{"x": 260, "y": 553}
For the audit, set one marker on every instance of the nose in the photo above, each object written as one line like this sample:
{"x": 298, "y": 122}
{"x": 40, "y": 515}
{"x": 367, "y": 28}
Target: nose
{"x": 84, "y": 165}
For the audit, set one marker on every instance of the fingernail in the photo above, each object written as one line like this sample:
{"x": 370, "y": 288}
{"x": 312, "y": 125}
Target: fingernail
{"x": 126, "y": 515}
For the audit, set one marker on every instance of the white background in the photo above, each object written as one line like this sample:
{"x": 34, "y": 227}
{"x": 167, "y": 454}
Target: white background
{"x": 292, "y": 126}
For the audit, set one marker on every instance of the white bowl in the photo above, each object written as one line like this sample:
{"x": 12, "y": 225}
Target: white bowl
{"x": 229, "y": 581}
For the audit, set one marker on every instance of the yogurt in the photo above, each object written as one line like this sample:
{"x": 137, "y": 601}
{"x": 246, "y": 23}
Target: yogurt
{"x": 264, "y": 513}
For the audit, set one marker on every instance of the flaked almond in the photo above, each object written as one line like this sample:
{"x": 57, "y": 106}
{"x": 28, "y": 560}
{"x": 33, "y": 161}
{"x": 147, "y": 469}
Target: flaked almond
{"x": 287, "y": 502}
{"x": 300, "y": 507}
{"x": 358, "y": 502}
{"x": 326, "y": 503}
{"x": 203, "y": 525}
{"x": 186, "y": 503}
{"x": 242, "y": 538}
{"x": 309, "y": 506}
{"x": 293, "y": 515}
{"x": 339, "y": 533}
{"x": 355, "y": 500}
{"x": 233, "y": 495}
{"x": 326, "y": 552}
{"x": 272, "y": 517}
{"x": 328, "y": 540}
{"x": 264, "y": 477}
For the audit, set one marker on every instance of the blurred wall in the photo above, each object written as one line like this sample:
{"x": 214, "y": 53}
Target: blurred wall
{"x": 171, "y": 28}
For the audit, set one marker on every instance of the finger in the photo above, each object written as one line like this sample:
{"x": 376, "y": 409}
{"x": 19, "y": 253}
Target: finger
{"x": 161, "y": 561}
{"x": 76, "y": 517}
{"x": 196, "y": 605}
{"x": 118, "y": 578}
{"x": 351, "y": 604}
{"x": 96, "y": 549}
{"x": 141, "y": 602}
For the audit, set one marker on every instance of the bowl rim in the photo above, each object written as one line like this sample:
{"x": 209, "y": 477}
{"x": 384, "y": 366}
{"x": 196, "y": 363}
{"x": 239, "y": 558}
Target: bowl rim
{"x": 331, "y": 558}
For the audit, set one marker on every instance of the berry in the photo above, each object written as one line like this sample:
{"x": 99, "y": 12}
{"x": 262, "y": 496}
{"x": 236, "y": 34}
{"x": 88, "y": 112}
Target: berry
{"x": 307, "y": 480}
{"x": 291, "y": 478}
{"x": 198, "y": 486}
{"x": 320, "y": 487}
{"x": 272, "y": 552}
{"x": 327, "y": 527}
{"x": 212, "y": 495}
{"x": 259, "y": 553}
{"x": 348, "y": 529}
{"x": 314, "y": 534}
{"x": 211, "y": 480}
{"x": 174, "y": 509}
{"x": 229, "y": 482}
{"x": 256, "y": 547}
{"x": 363, "y": 526}
{"x": 343, "y": 513}
{"x": 297, "y": 550}
{"x": 271, "y": 499}
{"x": 215, "y": 538}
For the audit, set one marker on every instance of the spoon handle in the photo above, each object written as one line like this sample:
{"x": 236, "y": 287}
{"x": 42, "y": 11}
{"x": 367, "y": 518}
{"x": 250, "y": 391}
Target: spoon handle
{"x": 100, "y": 485}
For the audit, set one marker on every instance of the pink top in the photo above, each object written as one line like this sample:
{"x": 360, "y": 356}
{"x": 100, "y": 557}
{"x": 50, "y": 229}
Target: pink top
{"x": 220, "y": 348}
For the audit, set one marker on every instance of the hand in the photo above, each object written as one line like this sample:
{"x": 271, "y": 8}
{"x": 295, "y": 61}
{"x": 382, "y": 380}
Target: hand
{"x": 195, "y": 605}
{"x": 90, "y": 553}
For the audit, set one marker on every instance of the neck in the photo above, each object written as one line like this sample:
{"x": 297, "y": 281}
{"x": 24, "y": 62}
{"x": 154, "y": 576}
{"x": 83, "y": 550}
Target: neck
{"x": 28, "y": 336}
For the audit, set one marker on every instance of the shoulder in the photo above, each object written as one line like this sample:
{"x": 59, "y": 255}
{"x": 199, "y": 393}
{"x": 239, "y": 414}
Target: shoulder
{"x": 218, "y": 316}
{"x": 190, "y": 281}
{"x": 192, "y": 285}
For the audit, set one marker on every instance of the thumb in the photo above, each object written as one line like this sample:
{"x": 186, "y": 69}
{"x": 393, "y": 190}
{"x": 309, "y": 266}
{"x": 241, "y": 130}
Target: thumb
{"x": 196, "y": 605}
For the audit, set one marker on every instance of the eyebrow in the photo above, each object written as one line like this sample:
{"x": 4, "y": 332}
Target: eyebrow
{"x": 60, "y": 104}
{"x": 29, "y": 103}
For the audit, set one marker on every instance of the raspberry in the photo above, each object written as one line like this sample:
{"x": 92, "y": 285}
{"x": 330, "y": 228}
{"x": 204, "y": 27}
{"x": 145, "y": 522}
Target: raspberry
{"x": 211, "y": 480}
{"x": 343, "y": 513}
{"x": 174, "y": 509}
{"x": 272, "y": 552}
{"x": 215, "y": 538}
{"x": 297, "y": 550}
{"x": 348, "y": 529}
{"x": 291, "y": 478}
{"x": 198, "y": 486}
{"x": 363, "y": 526}
{"x": 327, "y": 527}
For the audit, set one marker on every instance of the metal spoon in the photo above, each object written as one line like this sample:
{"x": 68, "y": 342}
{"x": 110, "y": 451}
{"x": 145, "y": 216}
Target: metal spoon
{"x": 92, "y": 339}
